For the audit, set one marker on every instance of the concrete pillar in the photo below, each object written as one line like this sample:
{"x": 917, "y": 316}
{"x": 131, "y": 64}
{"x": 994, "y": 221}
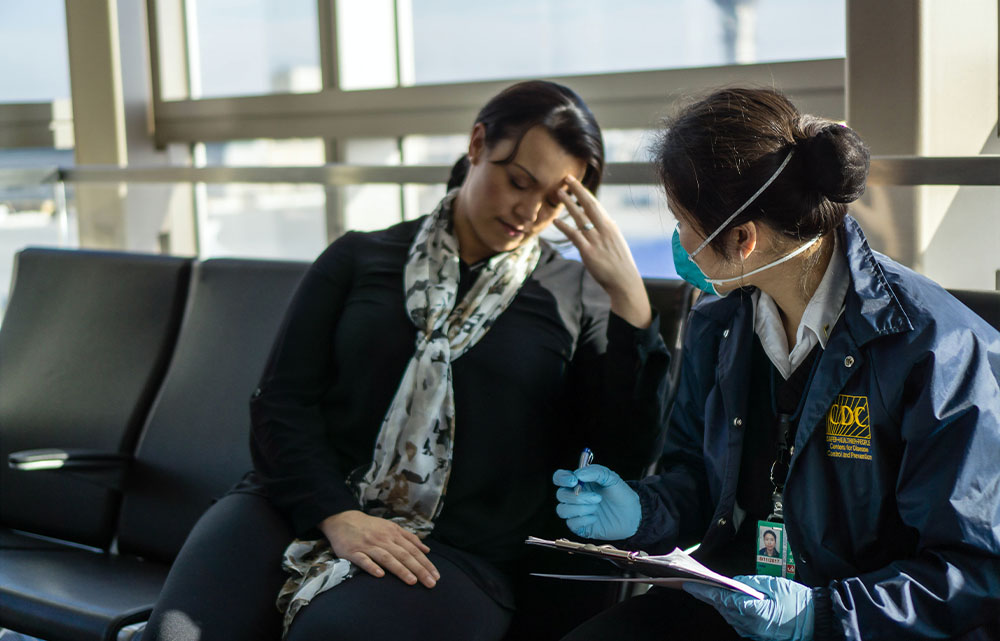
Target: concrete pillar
{"x": 112, "y": 101}
{"x": 336, "y": 200}
{"x": 98, "y": 117}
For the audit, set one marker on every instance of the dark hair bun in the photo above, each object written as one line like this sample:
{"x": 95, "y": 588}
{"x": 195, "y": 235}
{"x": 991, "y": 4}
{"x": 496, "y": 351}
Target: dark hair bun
{"x": 837, "y": 163}
{"x": 458, "y": 172}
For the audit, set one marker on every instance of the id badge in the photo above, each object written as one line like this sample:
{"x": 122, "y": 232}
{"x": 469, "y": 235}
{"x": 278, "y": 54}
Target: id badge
{"x": 774, "y": 557}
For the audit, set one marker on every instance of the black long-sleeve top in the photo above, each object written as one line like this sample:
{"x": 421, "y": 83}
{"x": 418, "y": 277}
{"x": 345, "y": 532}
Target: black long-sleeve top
{"x": 556, "y": 372}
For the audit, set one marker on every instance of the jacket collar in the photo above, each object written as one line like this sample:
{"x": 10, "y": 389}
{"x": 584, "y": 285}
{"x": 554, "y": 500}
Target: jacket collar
{"x": 872, "y": 308}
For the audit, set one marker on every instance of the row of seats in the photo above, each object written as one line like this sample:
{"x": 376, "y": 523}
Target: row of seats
{"x": 124, "y": 389}
{"x": 139, "y": 369}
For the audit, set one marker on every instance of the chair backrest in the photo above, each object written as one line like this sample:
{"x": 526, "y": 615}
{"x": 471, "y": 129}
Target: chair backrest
{"x": 83, "y": 348}
{"x": 673, "y": 299}
{"x": 985, "y": 303}
{"x": 195, "y": 444}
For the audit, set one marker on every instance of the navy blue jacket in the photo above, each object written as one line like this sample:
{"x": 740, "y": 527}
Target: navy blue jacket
{"x": 892, "y": 500}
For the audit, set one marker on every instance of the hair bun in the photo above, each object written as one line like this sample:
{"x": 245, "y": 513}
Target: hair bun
{"x": 458, "y": 172}
{"x": 837, "y": 162}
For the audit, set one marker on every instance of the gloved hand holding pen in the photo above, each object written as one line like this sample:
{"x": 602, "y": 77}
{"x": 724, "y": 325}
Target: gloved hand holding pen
{"x": 607, "y": 508}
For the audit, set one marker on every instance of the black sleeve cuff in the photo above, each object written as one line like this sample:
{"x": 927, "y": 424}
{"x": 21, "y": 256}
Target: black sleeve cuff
{"x": 650, "y": 532}
{"x": 823, "y": 621}
{"x": 307, "y": 515}
{"x": 623, "y": 334}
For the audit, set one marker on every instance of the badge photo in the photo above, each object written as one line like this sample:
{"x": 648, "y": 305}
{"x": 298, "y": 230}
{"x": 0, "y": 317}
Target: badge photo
{"x": 769, "y": 548}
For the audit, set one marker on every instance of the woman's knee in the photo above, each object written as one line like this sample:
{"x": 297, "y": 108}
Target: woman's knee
{"x": 226, "y": 576}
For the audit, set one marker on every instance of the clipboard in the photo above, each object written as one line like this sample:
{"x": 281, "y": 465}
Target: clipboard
{"x": 669, "y": 570}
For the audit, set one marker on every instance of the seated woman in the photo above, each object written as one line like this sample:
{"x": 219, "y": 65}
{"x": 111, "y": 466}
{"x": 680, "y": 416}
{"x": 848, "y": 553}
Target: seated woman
{"x": 825, "y": 390}
{"x": 416, "y": 368}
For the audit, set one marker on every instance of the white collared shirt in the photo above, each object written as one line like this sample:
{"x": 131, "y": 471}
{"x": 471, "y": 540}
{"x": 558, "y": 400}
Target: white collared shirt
{"x": 818, "y": 320}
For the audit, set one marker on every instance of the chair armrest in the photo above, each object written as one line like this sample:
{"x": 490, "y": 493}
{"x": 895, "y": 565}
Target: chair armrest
{"x": 76, "y": 460}
{"x": 106, "y": 469}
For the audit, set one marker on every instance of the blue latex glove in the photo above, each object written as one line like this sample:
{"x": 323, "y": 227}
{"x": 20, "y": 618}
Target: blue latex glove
{"x": 785, "y": 615}
{"x": 606, "y": 508}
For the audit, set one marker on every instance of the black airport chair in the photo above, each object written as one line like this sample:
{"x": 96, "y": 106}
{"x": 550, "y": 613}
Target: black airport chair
{"x": 673, "y": 298}
{"x": 83, "y": 349}
{"x": 984, "y": 302}
{"x": 193, "y": 447}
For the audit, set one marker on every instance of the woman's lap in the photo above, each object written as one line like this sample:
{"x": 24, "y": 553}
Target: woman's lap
{"x": 226, "y": 578}
{"x": 371, "y": 609}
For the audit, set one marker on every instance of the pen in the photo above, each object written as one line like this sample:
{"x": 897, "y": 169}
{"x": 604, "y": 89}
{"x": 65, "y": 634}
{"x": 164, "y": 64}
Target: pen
{"x": 586, "y": 458}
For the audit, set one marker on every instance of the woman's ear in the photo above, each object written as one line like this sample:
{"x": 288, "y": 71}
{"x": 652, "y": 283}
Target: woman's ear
{"x": 745, "y": 237}
{"x": 477, "y": 142}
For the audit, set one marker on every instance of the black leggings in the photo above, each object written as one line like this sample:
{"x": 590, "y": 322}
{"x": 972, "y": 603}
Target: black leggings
{"x": 224, "y": 582}
{"x": 226, "y": 578}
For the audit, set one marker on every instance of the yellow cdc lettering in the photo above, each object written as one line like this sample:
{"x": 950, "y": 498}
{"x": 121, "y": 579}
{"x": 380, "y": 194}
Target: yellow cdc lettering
{"x": 840, "y": 415}
{"x": 849, "y": 417}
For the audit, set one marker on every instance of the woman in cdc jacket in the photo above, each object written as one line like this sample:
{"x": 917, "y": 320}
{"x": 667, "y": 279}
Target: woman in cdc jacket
{"x": 828, "y": 394}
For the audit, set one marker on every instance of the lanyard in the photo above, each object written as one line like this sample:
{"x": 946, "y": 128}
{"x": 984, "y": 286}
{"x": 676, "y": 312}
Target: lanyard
{"x": 787, "y": 399}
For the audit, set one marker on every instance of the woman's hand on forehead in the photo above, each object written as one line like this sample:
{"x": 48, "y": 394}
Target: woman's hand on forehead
{"x": 604, "y": 252}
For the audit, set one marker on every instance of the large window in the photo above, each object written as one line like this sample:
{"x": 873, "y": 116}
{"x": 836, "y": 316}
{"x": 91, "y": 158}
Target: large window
{"x": 444, "y": 41}
{"x": 372, "y": 206}
{"x": 32, "y": 214}
{"x": 429, "y": 150}
{"x": 34, "y": 66}
{"x": 247, "y": 47}
{"x": 244, "y": 47}
{"x": 366, "y": 34}
{"x": 640, "y": 210}
{"x": 265, "y": 221}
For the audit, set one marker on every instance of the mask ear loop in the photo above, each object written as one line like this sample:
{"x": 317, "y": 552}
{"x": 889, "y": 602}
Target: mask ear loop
{"x": 774, "y": 176}
{"x": 743, "y": 271}
{"x": 787, "y": 257}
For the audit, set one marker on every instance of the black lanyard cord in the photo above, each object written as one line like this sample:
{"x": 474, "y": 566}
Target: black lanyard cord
{"x": 787, "y": 399}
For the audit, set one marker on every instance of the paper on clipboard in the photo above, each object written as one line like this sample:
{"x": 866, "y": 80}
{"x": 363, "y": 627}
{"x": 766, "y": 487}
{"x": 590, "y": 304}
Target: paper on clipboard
{"x": 663, "y": 581}
{"x": 669, "y": 570}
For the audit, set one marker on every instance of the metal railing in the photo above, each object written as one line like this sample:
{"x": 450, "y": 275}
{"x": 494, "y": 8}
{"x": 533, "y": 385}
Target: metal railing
{"x": 885, "y": 170}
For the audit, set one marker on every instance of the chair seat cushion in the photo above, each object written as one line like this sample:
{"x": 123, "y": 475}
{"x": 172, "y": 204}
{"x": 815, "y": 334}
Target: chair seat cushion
{"x": 70, "y": 594}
